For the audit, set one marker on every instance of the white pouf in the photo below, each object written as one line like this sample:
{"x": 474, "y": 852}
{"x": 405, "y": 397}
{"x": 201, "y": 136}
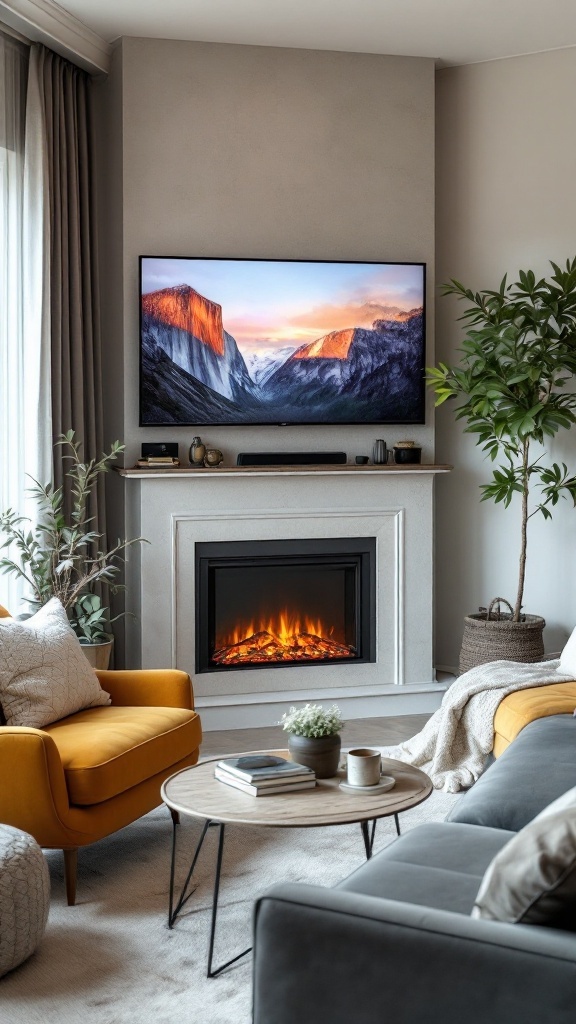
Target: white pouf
{"x": 24, "y": 896}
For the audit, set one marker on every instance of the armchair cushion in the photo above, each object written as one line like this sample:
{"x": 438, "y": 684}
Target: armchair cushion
{"x": 44, "y": 674}
{"x": 106, "y": 751}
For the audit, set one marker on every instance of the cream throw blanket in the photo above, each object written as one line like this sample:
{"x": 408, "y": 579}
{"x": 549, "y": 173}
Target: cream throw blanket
{"x": 454, "y": 743}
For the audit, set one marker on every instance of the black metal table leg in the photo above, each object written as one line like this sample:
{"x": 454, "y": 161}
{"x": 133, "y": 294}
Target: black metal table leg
{"x": 174, "y": 911}
{"x": 397, "y": 823}
{"x": 214, "y": 973}
{"x": 184, "y": 895}
{"x": 368, "y": 836}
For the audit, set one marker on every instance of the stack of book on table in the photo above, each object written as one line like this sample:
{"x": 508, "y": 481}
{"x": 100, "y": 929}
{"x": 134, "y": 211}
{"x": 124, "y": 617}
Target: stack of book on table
{"x": 264, "y": 774}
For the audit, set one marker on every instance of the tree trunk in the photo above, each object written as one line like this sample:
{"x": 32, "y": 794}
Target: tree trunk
{"x": 524, "y": 532}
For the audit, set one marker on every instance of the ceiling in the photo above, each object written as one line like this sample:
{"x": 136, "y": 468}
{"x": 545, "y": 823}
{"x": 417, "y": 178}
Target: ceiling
{"x": 452, "y": 31}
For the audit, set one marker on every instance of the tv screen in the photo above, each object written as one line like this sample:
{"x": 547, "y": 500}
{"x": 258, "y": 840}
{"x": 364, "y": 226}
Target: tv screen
{"x": 239, "y": 341}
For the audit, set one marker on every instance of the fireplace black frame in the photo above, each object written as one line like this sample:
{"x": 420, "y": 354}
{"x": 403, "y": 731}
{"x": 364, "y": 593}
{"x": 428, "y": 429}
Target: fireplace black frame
{"x": 356, "y": 552}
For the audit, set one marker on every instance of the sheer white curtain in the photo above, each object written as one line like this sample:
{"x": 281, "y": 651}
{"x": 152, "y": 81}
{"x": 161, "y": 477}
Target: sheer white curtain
{"x": 25, "y": 427}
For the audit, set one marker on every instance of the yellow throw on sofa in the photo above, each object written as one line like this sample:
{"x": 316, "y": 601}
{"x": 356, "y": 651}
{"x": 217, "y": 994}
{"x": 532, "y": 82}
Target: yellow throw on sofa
{"x": 524, "y": 706}
{"x": 82, "y": 778}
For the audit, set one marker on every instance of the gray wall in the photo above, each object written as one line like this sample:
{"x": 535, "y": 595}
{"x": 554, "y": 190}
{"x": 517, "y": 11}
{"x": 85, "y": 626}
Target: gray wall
{"x": 506, "y": 167}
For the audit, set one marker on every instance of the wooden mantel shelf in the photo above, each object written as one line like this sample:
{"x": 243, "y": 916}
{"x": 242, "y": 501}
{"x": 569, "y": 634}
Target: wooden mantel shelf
{"x": 323, "y": 470}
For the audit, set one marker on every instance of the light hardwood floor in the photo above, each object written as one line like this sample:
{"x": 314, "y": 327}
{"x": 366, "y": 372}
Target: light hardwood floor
{"x": 358, "y": 732}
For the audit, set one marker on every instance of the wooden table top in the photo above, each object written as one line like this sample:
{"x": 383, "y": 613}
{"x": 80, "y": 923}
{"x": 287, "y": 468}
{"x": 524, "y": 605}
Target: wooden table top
{"x": 196, "y": 792}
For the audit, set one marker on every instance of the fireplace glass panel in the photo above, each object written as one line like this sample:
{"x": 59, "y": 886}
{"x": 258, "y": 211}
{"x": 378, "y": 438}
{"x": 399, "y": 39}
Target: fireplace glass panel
{"x": 287, "y": 605}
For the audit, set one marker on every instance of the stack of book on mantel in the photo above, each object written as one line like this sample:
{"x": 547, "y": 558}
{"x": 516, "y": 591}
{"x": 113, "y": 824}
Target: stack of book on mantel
{"x": 264, "y": 774}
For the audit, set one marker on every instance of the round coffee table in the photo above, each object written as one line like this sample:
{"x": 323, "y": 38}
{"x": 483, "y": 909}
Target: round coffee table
{"x": 195, "y": 792}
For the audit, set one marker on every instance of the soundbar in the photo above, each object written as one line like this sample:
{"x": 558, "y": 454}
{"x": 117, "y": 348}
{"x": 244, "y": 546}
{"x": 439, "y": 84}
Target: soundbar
{"x": 291, "y": 459}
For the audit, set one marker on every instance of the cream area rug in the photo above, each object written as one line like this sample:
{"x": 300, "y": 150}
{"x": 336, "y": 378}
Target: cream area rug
{"x": 113, "y": 960}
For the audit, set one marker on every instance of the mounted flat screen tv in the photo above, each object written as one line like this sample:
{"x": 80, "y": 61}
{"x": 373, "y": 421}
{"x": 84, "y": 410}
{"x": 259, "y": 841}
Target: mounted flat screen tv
{"x": 238, "y": 341}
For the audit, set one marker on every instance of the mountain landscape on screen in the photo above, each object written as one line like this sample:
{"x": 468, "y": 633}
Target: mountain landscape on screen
{"x": 201, "y": 366}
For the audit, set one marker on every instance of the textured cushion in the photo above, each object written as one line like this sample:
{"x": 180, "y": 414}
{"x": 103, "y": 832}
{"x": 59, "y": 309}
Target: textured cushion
{"x": 518, "y": 709}
{"x": 532, "y": 880}
{"x": 434, "y": 865}
{"x": 568, "y": 656}
{"x": 534, "y": 770}
{"x": 105, "y": 751}
{"x": 44, "y": 675}
{"x": 24, "y": 896}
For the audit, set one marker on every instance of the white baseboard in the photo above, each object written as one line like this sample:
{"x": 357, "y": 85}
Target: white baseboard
{"x": 267, "y": 709}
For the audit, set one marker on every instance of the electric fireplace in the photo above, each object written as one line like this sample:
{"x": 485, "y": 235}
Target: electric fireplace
{"x": 283, "y": 603}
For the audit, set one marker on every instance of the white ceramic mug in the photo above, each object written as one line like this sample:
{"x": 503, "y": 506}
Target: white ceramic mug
{"x": 363, "y": 767}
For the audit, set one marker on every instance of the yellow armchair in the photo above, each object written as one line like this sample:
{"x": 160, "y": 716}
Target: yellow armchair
{"x": 82, "y": 778}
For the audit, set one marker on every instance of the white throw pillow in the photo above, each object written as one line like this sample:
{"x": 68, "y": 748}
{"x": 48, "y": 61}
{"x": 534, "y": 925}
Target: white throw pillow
{"x": 532, "y": 880}
{"x": 568, "y": 656}
{"x": 44, "y": 674}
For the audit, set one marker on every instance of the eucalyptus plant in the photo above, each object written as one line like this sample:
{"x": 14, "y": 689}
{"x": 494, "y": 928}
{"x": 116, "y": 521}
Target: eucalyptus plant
{"x": 61, "y": 555}
{"x": 517, "y": 358}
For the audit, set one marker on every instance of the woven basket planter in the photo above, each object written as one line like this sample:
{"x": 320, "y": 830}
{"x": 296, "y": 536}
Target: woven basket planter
{"x": 499, "y": 639}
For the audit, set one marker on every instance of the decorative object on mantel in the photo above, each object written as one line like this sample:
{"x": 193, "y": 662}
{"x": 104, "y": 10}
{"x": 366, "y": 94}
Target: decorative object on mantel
{"x": 213, "y": 457}
{"x": 361, "y": 460}
{"x": 379, "y": 452}
{"x": 313, "y": 737}
{"x": 407, "y": 453}
{"x": 518, "y": 354}
{"x": 159, "y": 449}
{"x": 197, "y": 452}
{"x": 59, "y": 557}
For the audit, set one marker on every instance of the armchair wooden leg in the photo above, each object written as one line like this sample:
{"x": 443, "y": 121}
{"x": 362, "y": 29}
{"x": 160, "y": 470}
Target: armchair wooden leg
{"x": 70, "y": 868}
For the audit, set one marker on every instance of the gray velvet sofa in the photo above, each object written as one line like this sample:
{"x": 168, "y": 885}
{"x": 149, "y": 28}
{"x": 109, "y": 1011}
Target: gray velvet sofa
{"x": 394, "y": 942}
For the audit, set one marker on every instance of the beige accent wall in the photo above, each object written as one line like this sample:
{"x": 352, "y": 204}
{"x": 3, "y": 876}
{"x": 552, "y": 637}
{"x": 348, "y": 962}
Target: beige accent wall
{"x": 266, "y": 152}
{"x": 506, "y": 172}
{"x": 225, "y": 150}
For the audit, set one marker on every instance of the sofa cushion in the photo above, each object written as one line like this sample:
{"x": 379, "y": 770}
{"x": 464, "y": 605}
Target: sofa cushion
{"x": 520, "y": 708}
{"x": 105, "y": 751}
{"x": 434, "y": 865}
{"x": 532, "y": 880}
{"x": 44, "y": 674}
{"x": 534, "y": 770}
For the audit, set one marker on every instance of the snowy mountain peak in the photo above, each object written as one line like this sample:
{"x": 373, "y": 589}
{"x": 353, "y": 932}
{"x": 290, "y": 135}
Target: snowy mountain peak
{"x": 184, "y": 308}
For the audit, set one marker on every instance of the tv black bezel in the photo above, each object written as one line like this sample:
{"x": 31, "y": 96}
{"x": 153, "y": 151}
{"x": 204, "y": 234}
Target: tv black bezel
{"x": 288, "y": 423}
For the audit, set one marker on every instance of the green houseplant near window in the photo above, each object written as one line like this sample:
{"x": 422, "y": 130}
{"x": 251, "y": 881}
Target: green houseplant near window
{"x": 60, "y": 555}
{"x": 313, "y": 737}
{"x": 517, "y": 358}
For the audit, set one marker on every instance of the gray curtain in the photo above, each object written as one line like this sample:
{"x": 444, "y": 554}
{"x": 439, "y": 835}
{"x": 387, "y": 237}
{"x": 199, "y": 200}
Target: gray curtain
{"x": 76, "y": 383}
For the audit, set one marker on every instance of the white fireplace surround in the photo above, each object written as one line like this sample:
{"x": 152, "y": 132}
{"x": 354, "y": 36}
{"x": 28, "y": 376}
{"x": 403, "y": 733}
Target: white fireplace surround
{"x": 176, "y": 511}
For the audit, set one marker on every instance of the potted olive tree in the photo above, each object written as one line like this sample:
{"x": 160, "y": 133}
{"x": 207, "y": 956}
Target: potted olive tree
{"x": 313, "y": 737}
{"x": 60, "y": 554}
{"x": 517, "y": 359}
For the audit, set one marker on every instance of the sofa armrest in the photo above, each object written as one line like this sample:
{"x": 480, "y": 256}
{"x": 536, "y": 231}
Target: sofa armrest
{"x": 160, "y": 688}
{"x": 325, "y": 954}
{"x": 33, "y": 793}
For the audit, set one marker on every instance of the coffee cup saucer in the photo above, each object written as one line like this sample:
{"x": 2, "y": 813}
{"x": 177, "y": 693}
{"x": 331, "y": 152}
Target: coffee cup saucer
{"x": 386, "y": 783}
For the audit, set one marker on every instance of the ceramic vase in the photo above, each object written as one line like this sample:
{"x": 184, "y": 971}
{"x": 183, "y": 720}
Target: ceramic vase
{"x": 321, "y": 753}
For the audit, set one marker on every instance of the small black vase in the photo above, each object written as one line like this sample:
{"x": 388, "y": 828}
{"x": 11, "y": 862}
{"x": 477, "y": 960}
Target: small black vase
{"x": 320, "y": 753}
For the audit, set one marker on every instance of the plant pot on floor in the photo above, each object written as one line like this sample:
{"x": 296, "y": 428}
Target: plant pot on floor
{"x": 490, "y": 636}
{"x": 98, "y": 654}
{"x": 320, "y": 753}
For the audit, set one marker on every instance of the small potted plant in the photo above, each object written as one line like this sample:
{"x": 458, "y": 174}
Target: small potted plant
{"x": 313, "y": 737}
{"x": 59, "y": 555}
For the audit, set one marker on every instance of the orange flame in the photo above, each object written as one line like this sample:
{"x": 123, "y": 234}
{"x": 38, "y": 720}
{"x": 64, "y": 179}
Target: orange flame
{"x": 283, "y": 627}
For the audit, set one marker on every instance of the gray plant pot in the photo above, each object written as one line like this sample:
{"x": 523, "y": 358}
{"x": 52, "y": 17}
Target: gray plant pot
{"x": 322, "y": 753}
